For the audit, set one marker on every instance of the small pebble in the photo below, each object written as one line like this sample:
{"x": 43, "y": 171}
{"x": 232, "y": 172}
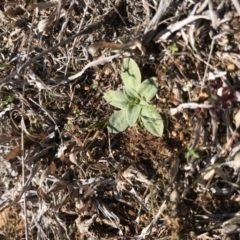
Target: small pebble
{"x": 231, "y": 67}
{"x": 181, "y": 136}
{"x": 174, "y": 133}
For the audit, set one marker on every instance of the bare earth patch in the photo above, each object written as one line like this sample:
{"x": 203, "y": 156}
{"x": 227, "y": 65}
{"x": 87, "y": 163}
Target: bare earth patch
{"x": 63, "y": 175}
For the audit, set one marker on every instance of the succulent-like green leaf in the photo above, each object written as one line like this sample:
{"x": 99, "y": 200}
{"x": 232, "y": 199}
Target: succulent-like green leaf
{"x": 152, "y": 120}
{"x": 118, "y": 122}
{"x": 116, "y": 99}
{"x": 148, "y": 88}
{"x": 132, "y": 114}
{"x": 143, "y": 103}
{"x": 131, "y": 74}
{"x": 131, "y": 95}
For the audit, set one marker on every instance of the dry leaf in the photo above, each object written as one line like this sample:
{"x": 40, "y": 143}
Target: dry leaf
{"x": 41, "y": 194}
{"x": 13, "y": 154}
{"x": 133, "y": 173}
{"x": 51, "y": 168}
{"x": 73, "y": 158}
{"x": 12, "y": 13}
{"x": 208, "y": 173}
{"x": 84, "y": 209}
{"x": 173, "y": 171}
{"x": 94, "y": 63}
{"x": 237, "y": 119}
{"x": 236, "y": 165}
{"x": 4, "y": 216}
{"x": 57, "y": 186}
{"x": 93, "y": 48}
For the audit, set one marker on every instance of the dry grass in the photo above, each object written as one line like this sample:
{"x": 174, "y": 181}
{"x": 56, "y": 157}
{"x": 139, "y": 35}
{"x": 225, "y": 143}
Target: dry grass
{"x": 63, "y": 176}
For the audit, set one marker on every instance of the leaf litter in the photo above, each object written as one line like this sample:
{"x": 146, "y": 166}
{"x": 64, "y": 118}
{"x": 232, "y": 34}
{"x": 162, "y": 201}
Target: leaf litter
{"x": 82, "y": 182}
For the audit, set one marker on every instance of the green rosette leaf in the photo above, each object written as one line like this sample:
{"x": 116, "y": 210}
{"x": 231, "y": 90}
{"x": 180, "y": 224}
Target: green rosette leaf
{"x": 131, "y": 95}
{"x": 132, "y": 114}
{"x": 116, "y": 99}
{"x": 148, "y": 88}
{"x": 131, "y": 74}
{"x": 118, "y": 122}
{"x": 152, "y": 121}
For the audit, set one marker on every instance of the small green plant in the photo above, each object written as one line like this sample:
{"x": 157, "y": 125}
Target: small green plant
{"x": 94, "y": 84}
{"x": 191, "y": 153}
{"x": 9, "y": 100}
{"x": 133, "y": 101}
{"x": 173, "y": 48}
{"x": 4, "y": 66}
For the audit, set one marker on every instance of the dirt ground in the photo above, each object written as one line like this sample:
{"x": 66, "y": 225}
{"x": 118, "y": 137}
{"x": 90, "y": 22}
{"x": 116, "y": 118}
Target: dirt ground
{"x": 63, "y": 175}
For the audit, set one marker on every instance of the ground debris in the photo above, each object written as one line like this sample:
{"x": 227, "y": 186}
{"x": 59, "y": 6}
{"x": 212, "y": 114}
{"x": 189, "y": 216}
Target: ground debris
{"x": 63, "y": 175}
